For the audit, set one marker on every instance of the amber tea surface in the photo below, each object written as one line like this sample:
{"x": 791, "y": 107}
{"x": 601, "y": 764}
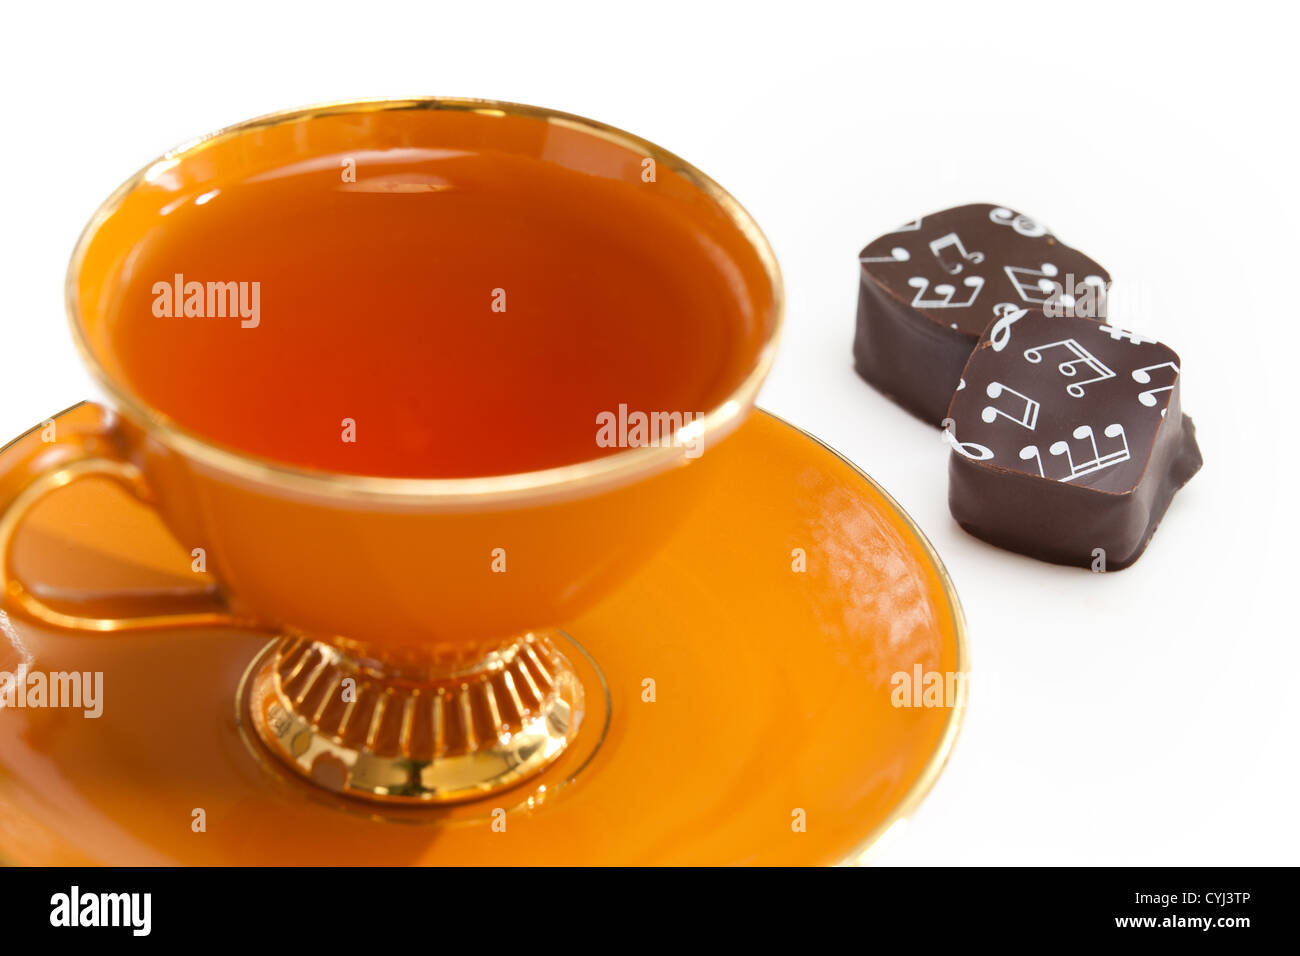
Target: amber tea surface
{"x": 426, "y": 313}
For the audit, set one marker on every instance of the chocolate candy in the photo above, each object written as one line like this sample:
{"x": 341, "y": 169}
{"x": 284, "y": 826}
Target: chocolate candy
{"x": 1068, "y": 439}
{"x": 930, "y": 287}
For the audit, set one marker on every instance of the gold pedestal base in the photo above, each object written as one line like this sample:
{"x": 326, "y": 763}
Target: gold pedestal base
{"x": 428, "y": 739}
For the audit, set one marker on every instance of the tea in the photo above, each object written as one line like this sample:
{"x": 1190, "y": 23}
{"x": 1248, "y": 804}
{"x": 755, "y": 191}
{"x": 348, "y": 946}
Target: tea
{"x": 426, "y": 312}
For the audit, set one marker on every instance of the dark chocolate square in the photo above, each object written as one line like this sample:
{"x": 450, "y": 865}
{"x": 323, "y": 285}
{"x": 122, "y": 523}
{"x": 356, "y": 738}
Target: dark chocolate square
{"x": 929, "y": 288}
{"x": 1068, "y": 437}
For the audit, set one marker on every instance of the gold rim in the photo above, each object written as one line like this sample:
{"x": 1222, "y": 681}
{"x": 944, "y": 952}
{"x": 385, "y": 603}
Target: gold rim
{"x": 934, "y": 767}
{"x": 617, "y": 468}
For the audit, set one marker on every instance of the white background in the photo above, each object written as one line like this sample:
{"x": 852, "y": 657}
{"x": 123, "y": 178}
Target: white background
{"x": 1146, "y": 716}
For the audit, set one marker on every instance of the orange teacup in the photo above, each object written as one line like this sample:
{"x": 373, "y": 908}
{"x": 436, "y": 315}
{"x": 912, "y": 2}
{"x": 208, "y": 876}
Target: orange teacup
{"x": 426, "y": 580}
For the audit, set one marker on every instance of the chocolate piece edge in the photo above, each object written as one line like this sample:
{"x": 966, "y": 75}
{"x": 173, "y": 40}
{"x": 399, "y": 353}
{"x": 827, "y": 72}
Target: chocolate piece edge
{"x": 1064, "y": 524}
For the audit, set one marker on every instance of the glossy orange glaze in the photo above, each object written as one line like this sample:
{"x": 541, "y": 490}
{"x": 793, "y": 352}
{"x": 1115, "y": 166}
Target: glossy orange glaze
{"x": 773, "y": 694}
{"x": 402, "y": 583}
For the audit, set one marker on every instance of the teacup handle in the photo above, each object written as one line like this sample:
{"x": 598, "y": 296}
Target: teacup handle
{"x": 63, "y": 450}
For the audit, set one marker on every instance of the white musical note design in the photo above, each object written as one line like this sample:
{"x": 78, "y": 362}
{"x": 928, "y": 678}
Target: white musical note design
{"x": 1031, "y": 451}
{"x": 1027, "y": 419}
{"x": 1117, "y": 334}
{"x": 1143, "y": 377}
{"x": 896, "y": 254}
{"x": 912, "y": 226}
{"x": 974, "y": 283}
{"x": 972, "y": 450}
{"x": 951, "y": 241}
{"x": 1008, "y": 315}
{"x": 1021, "y": 224}
{"x": 1070, "y": 368}
{"x": 1098, "y": 461}
{"x": 1034, "y": 285}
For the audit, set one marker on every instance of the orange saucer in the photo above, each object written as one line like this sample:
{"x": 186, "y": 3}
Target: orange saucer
{"x": 753, "y": 671}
